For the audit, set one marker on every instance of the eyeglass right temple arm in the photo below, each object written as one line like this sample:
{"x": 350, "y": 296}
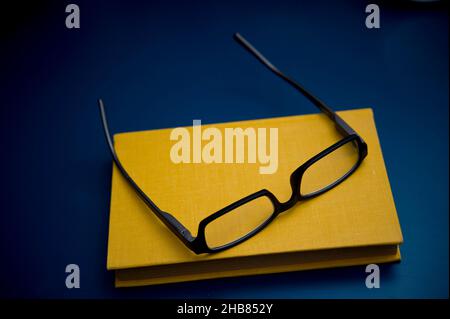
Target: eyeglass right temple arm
{"x": 341, "y": 125}
{"x": 169, "y": 220}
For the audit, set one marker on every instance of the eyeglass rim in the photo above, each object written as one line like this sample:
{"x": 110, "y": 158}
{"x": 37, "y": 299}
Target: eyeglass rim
{"x": 280, "y": 207}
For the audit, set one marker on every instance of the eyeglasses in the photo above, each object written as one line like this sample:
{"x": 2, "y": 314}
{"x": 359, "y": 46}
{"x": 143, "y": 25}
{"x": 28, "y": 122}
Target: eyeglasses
{"x": 248, "y": 216}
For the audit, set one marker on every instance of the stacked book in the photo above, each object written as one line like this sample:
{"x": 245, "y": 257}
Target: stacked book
{"x": 355, "y": 223}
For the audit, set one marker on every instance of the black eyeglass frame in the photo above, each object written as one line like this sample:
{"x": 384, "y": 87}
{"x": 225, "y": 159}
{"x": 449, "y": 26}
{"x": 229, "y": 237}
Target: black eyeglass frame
{"x": 198, "y": 244}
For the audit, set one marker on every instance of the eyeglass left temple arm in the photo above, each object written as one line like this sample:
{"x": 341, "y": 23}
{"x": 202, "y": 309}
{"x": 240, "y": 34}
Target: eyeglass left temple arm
{"x": 341, "y": 125}
{"x": 169, "y": 220}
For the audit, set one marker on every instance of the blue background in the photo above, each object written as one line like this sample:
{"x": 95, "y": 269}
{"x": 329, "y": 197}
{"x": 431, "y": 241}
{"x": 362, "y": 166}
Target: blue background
{"x": 161, "y": 65}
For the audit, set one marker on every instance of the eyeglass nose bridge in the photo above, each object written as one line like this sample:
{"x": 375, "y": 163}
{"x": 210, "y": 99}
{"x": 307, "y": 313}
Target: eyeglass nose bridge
{"x": 287, "y": 205}
{"x": 281, "y": 207}
{"x": 295, "y": 177}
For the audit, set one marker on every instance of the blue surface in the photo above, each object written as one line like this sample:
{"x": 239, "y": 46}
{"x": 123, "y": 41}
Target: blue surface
{"x": 161, "y": 65}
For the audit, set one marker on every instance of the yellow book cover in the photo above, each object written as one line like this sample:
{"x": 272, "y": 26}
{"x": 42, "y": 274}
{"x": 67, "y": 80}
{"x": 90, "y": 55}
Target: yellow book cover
{"x": 354, "y": 223}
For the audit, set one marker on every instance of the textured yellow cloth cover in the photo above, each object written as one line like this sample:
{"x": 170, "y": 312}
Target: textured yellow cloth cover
{"x": 354, "y": 223}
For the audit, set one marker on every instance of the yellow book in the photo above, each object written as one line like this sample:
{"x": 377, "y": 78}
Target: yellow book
{"x": 354, "y": 223}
